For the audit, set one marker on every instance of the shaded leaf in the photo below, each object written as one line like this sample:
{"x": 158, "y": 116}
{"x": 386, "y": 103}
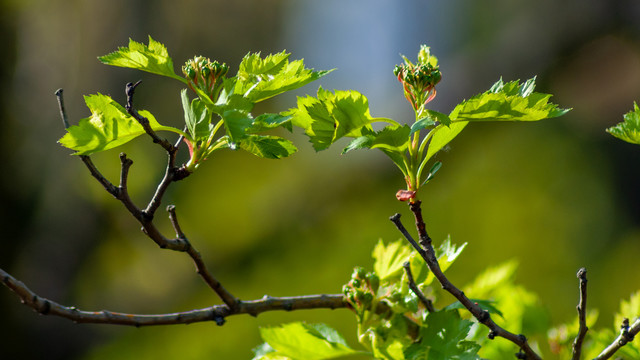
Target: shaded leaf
{"x": 484, "y": 304}
{"x": 196, "y": 117}
{"x": 266, "y": 146}
{"x": 153, "y": 58}
{"x": 109, "y": 126}
{"x": 629, "y": 129}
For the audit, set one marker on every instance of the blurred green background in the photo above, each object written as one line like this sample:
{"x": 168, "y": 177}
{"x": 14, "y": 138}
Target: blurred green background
{"x": 555, "y": 195}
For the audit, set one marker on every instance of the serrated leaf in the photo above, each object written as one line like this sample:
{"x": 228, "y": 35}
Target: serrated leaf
{"x": 300, "y": 341}
{"x": 629, "y": 129}
{"x": 442, "y": 135}
{"x": 196, "y": 117}
{"x": 267, "y": 146}
{"x": 446, "y": 253}
{"x": 492, "y": 278}
{"x": 389, "y": 259}
{"x": 392, "y": 138}
{"x": 109, "y": 126}
{"x": 270, "y": 121}
{"x": 153, "y": 58}
{"x": 260, "y": 79}
{"x": 432, "y": 118}
{"x": 236, "y": 124}
{"x": 332, "y": 116}
{"x": 442, "y": 338}
{"x": 510, "y": 101}
{"x": 362, "y": 142}
{"x": 484, "y": 305}
{"x": 629, "y": 309}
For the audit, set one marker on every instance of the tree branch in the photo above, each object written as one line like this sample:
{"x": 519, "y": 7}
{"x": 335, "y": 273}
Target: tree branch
{"x": 428, "y": 254}
{"x": 216, "y": 313}
{"x": 582, "y": 315}
{"x": 627, "y": 334}
{"x": 414, "y": 287}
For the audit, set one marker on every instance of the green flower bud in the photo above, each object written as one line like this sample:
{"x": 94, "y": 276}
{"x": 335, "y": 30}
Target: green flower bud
{"x": 355, "y": 283}
{"x": 374, "y": 281}
{"x": 359, "y": 273}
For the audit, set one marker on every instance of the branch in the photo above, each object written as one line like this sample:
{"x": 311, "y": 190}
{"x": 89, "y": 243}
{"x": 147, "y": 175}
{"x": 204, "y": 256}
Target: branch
{"x": 414, "y": 287}
{"x": 428, "y": 254}
{"x": 582, "y": 315}
{"x": 627, "y": 334}
{"x": 216, "y": 313}
{"x": 129, "y": 90}
{"x": 145, "y": 217}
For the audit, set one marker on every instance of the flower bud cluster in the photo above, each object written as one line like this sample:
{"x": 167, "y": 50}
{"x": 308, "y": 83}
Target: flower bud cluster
{"x": 420, "y": 80}
{"x": 361, "y": 290}
{"x": 206, "y": 75}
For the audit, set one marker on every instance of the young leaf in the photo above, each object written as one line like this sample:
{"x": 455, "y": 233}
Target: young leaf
{"x": 432, "y": 118}
{"x": 484, "y": 304}
{"x": 270, "y": 121}
{"x": 236, "y": 124}
{"x": 443, "y": 338}
{"x": 507, "y": 102}
{"x": 300, "y": 341}
{"x": 265, "y": 146}
{"x": 153, "y": 58}
{"x": 442, "y": 135}
{"x": 629, "y": 129}
{"x": 259, "y": 79}
{"x": 108, "y": 126}
{"x": 629, "y": 309}
{"x": 196, "y": 117}
{"x": 332, "y": 116}
{"x": 388, "y": 259}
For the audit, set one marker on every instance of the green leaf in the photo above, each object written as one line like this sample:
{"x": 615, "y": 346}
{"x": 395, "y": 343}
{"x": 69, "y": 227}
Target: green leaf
{"x": 196, "y": 117}
{"x": 236, "y": 124}
{"x": 442, "y": 135}
{"x": 389, "y": 259}
{"x": 270, "y": 121}
{"x": 109, "y": 126}
{"x": 393, "y": 138}
{"x": 446, "y": 253}
{"x": 484, "y": 304}
{"x": 442, "y": 338}
{"x": 629, "y": 309}
{"x": 629, "y": 129}
{"x": 153, "y": 58}
{"x": 260, "y": 79}
{"x": 508, "y": 102}
{"x": 332, "y": 116}
{"x": 300, "y": 341}
{"x": 362, "y": 142}
{"x": 266, "y": 146}
{"x": 432, "y": 118}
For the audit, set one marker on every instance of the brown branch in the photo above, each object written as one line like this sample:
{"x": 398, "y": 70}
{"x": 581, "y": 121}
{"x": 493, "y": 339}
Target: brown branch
{"x": 627, "y": 334}
{"x": 428, "y": 254}
{"x": 582, "y": 315}
{"x": 216, "y": 313}
{"x": 414, "y": 287}
{"x": 145, "y": 217}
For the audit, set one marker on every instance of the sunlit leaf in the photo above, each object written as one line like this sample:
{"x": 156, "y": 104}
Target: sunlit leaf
{"x": 432, "y": 118}
{"x": 262, "y": 78}
{"x": 332, "y": 116}
{"x": 270, "y": 121}
{"x": 442, "y": 135}
{"x": 510, "y": 101}
{"x": 629, "y": 129}
{"x": 389, "y": 259}
{"x": 300, "y": 341}
{"x": 629, "y": 309}
{"x": 153, "y": 58}
{"x": 109, "y": 126}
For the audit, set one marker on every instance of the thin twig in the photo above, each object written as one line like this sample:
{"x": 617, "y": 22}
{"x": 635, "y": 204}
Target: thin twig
{"x": 130, "y": 90}
{"x": 428, "y": 254}
{"x": 63, "y": 114}
{"x": 416, "y": 290}
{"x": 627, "y": 334}
{"x": 216, "y": 313}
{"x": 582, "y": 315}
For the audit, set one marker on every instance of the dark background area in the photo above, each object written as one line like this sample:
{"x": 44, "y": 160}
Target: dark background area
{"x": 555, "y": 195}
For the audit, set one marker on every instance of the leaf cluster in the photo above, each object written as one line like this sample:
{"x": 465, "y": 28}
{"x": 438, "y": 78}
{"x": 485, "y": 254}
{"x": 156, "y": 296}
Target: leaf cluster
{"x": 221, "y": 102}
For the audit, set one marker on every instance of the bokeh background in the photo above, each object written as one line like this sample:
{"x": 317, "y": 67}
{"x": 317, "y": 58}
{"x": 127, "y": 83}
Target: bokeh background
{"x": 555, "y": 195}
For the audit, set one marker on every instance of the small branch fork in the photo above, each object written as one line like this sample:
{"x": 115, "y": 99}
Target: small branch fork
{"x": 582, "y": 315}
{"x": 627, "y": 334}
{"x": 426, "y": 250}
{"x": 217, "y": 313}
